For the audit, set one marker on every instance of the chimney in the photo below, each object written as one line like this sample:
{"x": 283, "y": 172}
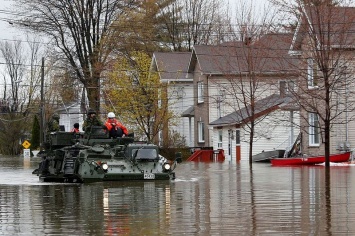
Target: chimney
{"x": 247, "y": 40}
{"x": 282, "y": 88}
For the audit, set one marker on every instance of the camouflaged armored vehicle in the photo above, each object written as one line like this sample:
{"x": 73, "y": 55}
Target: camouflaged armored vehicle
{"x": 93, "y": 157}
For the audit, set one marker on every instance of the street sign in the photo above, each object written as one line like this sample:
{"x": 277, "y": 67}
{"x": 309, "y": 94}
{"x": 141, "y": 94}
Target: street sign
{"x": 26, "y": 153}
{"x": 26, "y": 144}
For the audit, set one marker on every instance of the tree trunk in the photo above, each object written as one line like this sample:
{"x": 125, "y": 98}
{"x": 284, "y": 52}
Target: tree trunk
{"x": 327, "y": 120}
{"x": 327, "y": 143}
{"x": 251, "y": 140}
{"x": 93, "y": 92}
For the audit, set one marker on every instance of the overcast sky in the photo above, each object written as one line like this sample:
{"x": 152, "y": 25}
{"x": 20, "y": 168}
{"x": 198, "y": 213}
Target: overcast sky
{"x": 7, "y": 32}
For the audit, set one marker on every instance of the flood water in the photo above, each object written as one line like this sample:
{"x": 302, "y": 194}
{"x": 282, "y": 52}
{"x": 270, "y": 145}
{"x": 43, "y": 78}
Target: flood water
{"x": 205, "y": 199}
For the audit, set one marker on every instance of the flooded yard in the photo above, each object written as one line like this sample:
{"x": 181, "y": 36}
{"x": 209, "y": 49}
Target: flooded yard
{"x": 205, "y": 199}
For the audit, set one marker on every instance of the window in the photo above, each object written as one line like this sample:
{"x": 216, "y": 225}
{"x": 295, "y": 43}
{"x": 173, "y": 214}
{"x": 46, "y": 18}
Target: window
{"x": 220, "y": 98}
{"x": 283, "y": 87}
{"x": 200, "y": 92}
{"x": 159, "y": 100}
{"x": 201, "y": 131}
{"x": 220, "y": 138}
{"x": 237, "y": 137}
{"x": 311, "y": 73}
{"x": 314, "y": 130}
{"x": 290, "y": 86}
{"x": 144, "y": 154}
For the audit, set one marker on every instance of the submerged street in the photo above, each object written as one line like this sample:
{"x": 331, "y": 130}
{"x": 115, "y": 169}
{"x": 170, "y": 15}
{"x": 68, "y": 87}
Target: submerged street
{"x": 205, "y": 199}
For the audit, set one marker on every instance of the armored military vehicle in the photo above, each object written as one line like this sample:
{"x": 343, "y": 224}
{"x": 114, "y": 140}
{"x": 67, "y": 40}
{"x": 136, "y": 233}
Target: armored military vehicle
{"x": 79, "y": 158}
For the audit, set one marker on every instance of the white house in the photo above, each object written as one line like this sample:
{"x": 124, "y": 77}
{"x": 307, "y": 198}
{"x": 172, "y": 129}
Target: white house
{"x": 171, "y": 67}
{"x": 275, "y": 130}
{"x": 70, "y": 114}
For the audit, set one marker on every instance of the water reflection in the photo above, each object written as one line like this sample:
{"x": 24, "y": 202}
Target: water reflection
{"x": 205, "y": 199}
{"x": 142, "y": 204}
{"x": 328, "y": 205}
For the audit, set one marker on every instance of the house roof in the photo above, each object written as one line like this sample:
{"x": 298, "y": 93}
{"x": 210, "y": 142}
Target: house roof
{"x": 262, "y": 107}
{"x": 172, "y": 66}
{"x": 268, "y": 55}
{"x": 330, "y": 25}
{"x": 189, "y": 112}
{"x": 65, "y": 107}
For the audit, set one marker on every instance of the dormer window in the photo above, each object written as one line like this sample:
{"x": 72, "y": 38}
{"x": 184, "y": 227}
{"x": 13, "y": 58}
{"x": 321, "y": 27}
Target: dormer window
{"x": 312, "y": 73}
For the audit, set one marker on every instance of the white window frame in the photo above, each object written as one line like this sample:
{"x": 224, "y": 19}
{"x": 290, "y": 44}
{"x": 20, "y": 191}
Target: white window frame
{"x": 200, "y": 90}
{"x": 311, "y": 73}
{"x": 220, "y": 109}
{"x": 314, "y": 130}
{"x": 220, "y": 139}
{"x": 201, "y": 132}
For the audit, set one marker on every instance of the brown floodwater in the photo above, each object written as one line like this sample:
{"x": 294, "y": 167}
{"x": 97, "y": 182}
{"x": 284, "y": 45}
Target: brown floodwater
{"x": 205, "y": 199}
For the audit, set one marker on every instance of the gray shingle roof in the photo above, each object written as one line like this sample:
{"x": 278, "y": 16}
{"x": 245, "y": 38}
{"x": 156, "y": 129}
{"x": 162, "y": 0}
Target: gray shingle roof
{"x": 267, "y": 55}
{"x": 333, "y": 25}
{"x": 172, "y": 65}
{"x": 189, "y": 112}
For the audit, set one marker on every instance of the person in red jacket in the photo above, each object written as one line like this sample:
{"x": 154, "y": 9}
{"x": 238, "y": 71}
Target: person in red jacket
{"x": 76, "y": 128}
{"x": 114, "y": 127}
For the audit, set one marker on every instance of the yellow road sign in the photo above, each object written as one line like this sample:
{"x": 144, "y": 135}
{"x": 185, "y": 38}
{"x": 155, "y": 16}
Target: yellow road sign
{"x": 26, "y": 144}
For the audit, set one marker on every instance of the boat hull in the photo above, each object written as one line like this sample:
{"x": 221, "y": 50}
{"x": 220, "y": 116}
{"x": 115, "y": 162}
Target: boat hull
{"x": 342, "y": 157}
{"x": 268, "y": 155}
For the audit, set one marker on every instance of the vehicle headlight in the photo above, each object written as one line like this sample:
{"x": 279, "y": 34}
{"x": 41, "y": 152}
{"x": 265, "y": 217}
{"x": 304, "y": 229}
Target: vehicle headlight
{"x": 166, "y": 167}
{"x": 104, "y": 166}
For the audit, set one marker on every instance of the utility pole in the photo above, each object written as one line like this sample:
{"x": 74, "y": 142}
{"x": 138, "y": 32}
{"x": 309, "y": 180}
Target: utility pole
{"x": 42, "y": 137}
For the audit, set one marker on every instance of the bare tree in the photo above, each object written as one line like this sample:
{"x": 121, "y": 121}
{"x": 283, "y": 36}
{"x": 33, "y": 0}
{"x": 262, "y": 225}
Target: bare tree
{"x": 81, "y": 31}
{"x": 251, "y": 61}
{"x": 13, "y": 55}
{"x": 33, "y": 77}
{"x": 192, "y": 22}
{"x": 21, "y": 74}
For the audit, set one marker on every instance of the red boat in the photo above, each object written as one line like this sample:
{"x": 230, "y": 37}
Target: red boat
{"x": 312, "y": 160}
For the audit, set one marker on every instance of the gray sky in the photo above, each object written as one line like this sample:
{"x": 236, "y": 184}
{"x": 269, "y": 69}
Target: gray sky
{"x": 7, "y": 32}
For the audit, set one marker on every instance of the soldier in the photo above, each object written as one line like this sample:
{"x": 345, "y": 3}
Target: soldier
{"x": 91, "y": 120}
{"x": 53, "y": 124}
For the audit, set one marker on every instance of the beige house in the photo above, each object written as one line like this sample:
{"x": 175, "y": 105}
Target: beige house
{"x": 222, "y": 82}
{"x": 324, "y": 42}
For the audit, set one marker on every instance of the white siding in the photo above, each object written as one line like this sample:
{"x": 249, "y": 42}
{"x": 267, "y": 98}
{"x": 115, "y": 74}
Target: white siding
{"x": 181, "y": 98}
{"x": 70, "y": 116}
{"x": 228, "y": 103}
{"x": 271, "y": 133}
{"x": 343, "y": 133}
